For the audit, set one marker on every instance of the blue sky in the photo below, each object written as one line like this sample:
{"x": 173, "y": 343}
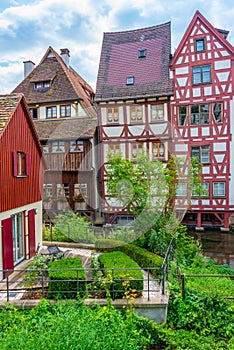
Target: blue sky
{"x": 29, "y": 27}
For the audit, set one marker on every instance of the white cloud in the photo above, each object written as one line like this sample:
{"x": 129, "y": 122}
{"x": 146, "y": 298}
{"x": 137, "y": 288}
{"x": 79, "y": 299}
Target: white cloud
{"x": 28, "y": 27}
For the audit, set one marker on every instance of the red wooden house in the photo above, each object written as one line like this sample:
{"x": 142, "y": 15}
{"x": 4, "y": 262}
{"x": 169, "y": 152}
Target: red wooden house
{"x": 202, "y": 119}
{"x": 21, "y": 176}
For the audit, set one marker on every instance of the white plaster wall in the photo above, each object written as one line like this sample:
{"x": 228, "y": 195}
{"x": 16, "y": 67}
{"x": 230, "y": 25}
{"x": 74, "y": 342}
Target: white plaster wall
{"x": 114, "y": 131}
{"x": 231, "y": 188}
{"x": 38, "y": 225}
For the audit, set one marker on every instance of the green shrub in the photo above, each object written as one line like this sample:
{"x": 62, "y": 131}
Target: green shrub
{"x": 143, "y": 257}
{"x": 121, "y": 280}
{"x": 66, "y": 278}
{"x": 72, "y": 226}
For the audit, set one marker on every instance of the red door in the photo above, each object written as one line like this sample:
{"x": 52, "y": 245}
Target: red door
{"x": 31, "y": 233}
{"x": 7, "y": 245}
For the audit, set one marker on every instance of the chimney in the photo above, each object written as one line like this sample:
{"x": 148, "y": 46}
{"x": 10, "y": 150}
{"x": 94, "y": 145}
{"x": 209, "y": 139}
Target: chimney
{"x": 28, "y": 67}
{"x": 65, "y": 54}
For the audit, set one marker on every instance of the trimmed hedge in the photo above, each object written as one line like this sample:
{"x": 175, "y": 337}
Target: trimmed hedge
{"x": 67, "y": 278}
{"x": 142, "y": 256}
{"x": 119, "y": 260}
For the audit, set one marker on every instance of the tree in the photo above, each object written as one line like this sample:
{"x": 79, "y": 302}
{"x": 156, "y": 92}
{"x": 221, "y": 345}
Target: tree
{"x": 147, "y": 189}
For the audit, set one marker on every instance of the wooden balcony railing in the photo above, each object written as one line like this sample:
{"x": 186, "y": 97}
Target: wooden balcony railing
{"x": 68, "y": 161}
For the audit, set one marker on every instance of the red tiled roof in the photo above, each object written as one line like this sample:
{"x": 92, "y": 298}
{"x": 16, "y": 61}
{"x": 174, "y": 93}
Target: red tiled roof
{"x": 66, "y": 84}
{"x": 119, "y": 59}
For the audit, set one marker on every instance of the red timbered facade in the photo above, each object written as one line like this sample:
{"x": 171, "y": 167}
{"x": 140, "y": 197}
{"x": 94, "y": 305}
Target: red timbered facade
{"x": 133, "y": 99}
{"x": 202, "y": 119}
{"x": 21, "y": 175}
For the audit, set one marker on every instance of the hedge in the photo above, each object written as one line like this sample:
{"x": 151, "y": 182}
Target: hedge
{"x": 67, "y": 278}
{"x": 143, "y": 257}
{"x": 119, "y": 260}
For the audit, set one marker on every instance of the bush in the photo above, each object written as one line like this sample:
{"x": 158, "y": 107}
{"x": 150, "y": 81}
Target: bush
{"x": 66, "y": 278}
{"x": 121, "y": 280}
{"x": 143, "y": 257}
{"x": 73, "y": 227}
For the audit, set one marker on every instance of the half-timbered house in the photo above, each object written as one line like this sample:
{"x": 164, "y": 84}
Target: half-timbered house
{"x": 61, "y": 105}
{"x": 202, "y": 118}
{"x": 133, "y": 99}
{"x": 21, "y": 177}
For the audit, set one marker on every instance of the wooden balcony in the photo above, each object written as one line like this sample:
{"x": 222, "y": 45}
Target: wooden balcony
{"x": 68, "y": 161}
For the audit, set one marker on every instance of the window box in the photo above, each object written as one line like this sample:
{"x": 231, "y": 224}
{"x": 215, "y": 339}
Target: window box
{"x": 80, "y": 206}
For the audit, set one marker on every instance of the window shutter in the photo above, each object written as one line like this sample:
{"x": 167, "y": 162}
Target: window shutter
{"x": 27, "y": 164}
{"x": 7, "y": 245}
{"x": 15, "y": 164}
{"x": 31, "y": 233}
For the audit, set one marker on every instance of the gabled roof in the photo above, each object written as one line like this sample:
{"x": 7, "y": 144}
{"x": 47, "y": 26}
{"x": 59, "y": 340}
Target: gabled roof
{"x": 66, "y": 84}
{"x": 119, "y": 59}
{"x": 220, "y": 34}
{"x": 72, "y": 128}
{"x": 8, "y": 105}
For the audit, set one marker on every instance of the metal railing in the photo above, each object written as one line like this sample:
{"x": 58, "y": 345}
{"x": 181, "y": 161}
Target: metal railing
{"x": 183, "y": 276}
{"x": 34, "y": 284}
{"x": 165, "y": 264}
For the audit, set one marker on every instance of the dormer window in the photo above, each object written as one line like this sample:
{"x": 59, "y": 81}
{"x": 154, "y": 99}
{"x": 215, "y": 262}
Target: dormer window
{"x": 130, "y": 80}
{"x": 41, "y": 85}
{"x": 141, "y": 53}
{"x": 200, "y": 45}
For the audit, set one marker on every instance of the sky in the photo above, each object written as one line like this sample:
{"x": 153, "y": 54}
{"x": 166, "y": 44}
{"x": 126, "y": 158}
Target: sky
{"x": 29, "y": 27}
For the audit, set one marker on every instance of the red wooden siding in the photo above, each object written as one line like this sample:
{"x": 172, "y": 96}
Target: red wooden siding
{"x": 18, "y": 136}
{"x": 31, "y": 233}
{"x": 7, "y": 245}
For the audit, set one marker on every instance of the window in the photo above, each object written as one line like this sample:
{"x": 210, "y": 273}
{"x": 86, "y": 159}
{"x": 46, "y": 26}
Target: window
{"x": 114, "y": 148}
{"x": 136, "y": 149}
{"x": 42, "y": 85}
{"x": 202, "y": 153}
{"x": 141, "y": 53}
{"x": 63, "y": 190}
{"x": 76, "y": 146}
{"x": 218, "y": 112}
{"x": 219, "y": 189}
{"x": 18, "y": 237}
{"x": 156, "y": 112}
{"x": 130, "y": 80}
{"x": 21, "y": 162}
{"x": 51, "y": 112}
{"x": 201, "y": 75}
{"x": 182, "y": 115}
{"x": 58, "y": 147}
{"x": 112, "y": 115}
{"x": 200, "y": 45}
{"x": 80, "y": 188}
{"x": 65, "y": 111}
{"x": 33, "y": 112}
{"x": 181, "y": 189}
{"x": 158, "y": 150}
{"x": 199, "y": 114}
{"x": 205, "y": 193}
{"x": 136, "y": 113}
{"x": 45, "y": 148}
{"x": 48, "y": 190}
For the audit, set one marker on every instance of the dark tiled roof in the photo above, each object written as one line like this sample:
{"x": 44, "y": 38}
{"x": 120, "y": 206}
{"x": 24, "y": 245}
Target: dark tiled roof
{"x": 119, "y": 59}
{"x": 66, "y": 84}
{"x": 72, "y": 128}
{"x": 8, "y": 104}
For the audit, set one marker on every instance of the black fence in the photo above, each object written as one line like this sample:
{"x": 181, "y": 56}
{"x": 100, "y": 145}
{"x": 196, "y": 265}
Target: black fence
{"x": 182, "y": 277}
{"x": 165, "y": 265}
{"x": 34, "y": 284}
